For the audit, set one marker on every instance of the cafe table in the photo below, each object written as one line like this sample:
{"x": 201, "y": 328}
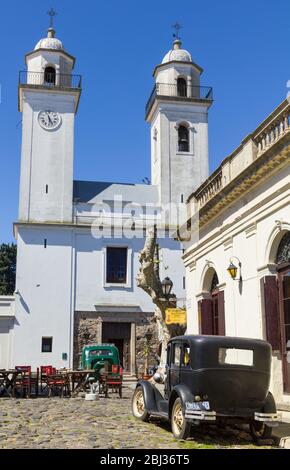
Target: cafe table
{"x": 7, "y": 381}
{"x": 79, "y": 380}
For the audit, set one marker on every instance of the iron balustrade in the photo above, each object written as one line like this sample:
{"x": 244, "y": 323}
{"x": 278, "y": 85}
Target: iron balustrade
{"x": 176, "y": 91}
{"x": 50, "y": 80}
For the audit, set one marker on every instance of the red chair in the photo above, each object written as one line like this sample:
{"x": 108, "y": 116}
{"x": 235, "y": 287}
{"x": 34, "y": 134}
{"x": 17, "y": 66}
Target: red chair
{"x": 58, "y": 384}
{"x": 23, "y": 381}
{"x": 45, "y": 372}
{"x": 114, "y": 380}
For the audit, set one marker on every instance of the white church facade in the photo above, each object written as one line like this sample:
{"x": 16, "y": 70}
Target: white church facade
{"x": 79, "y": 241}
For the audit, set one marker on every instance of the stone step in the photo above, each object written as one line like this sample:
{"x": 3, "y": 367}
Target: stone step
{"x": 129, "y": 378}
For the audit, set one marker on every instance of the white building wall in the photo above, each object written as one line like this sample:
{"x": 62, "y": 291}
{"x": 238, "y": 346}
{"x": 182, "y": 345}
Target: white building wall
{"x": 246, "y": 230}
{"x": 179, "y": 173}
{"x": 7, "y": 314}
{"x": 44, "y": 304}
{"x": 91, "y": 288}
{"x": 68, "y": 276}
{"x": 47, "y": 159}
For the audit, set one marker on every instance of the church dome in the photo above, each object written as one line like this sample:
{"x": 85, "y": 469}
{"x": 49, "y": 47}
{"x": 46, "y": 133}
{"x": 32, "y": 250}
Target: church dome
{"x": 50, "y": 42}
{"x": 181, "y": 55}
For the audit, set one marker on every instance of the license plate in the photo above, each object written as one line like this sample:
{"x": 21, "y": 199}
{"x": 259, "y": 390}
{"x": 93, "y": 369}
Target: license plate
{"x": 200, "y": 406}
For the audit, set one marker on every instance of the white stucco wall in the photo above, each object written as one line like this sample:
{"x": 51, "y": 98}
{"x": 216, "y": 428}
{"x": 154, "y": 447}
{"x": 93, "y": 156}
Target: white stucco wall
{"x": 91, "y": 288}
{"x": 47, "y": 159}
{"x": 44, "y": 304}
{"x": 179, "y": 173}
{"x": 7, "y": 313}
{"x": 69, "y": 275}
{"x": 247, "y": 230}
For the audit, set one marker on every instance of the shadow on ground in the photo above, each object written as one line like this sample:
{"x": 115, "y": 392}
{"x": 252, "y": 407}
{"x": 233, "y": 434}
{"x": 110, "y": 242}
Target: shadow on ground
{"x": 222, "y": 437}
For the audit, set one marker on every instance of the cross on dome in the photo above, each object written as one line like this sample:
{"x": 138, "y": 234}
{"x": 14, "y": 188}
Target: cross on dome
{"x": 52, "y": 13}
{"x": 177, "y": 28}
{"x": 50, "y": 42}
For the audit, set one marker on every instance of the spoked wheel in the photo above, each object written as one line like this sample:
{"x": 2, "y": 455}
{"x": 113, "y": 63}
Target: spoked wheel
{"x": 138, "y": 405}
{"x": 260, "y": 430}
{"x": 179, "y": 426}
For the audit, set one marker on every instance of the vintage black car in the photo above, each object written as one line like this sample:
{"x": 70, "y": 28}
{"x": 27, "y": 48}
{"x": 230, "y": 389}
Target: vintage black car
{"x": 211, "y": 379}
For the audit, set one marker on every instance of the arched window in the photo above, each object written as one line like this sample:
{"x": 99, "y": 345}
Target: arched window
{"x": 214, "y": 283}
{"x": 211, "y": 308}
{"x": 49, "y": 76}
{"x": 283, "y": 253}
{"x": 181, "y": 87}
{"x": 183, "y": 139}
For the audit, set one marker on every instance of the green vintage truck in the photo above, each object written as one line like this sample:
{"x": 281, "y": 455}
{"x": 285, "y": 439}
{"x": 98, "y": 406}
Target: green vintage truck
{"x": 105, "y": 360}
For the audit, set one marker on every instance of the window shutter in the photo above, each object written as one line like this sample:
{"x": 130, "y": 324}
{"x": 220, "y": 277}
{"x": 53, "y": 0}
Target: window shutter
{"x": 205, "y": 306}
{"x": 221, "y": 311}
{"x": 272, "y": 315}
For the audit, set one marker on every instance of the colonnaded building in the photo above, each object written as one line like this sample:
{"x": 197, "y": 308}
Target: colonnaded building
{"x": 244, "y": 229}
{"x": 76, "y": 283}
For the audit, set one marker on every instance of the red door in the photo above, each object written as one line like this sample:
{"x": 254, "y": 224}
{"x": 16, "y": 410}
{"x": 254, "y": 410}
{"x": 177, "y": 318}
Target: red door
{"x": 284, "y": 302}
{"x": 212, "y": 315}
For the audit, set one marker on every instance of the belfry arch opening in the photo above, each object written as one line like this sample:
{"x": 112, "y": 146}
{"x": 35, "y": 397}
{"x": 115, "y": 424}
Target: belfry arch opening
{"x": 181, "y": 87}
{"x": 183, "y": 138}
{"x": 50, "y": 75}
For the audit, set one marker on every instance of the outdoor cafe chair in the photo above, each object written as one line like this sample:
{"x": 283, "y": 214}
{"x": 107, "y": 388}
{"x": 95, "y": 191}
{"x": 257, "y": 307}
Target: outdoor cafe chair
{"x": 58, "y": 384}
{"x": 45, "y": 371}
{"x": 23, "y": 381}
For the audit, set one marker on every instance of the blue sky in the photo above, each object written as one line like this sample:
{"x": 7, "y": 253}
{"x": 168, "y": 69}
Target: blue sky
{"x": 243, "y": 47}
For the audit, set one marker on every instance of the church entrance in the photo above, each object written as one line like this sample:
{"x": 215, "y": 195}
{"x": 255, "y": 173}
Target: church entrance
{"x": 120, "y": 335}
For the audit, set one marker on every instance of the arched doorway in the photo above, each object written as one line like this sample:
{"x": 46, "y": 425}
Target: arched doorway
{"x": 276, "y": 289}
{"x": 283, "y": 268}
{"x": 211, "y": 309}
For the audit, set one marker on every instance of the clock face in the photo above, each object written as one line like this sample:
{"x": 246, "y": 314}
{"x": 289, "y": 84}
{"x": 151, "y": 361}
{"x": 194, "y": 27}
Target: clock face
{"x": 49, "y": 120}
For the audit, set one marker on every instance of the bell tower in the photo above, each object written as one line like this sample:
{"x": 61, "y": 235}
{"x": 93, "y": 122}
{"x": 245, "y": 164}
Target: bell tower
{"x": 177, "y": 111}
{"x": 48, "y": 98}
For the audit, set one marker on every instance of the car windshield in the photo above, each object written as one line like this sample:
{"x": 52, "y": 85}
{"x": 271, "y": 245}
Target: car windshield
{"x": 100, "y": 352}
{"x": 233, "y": 356}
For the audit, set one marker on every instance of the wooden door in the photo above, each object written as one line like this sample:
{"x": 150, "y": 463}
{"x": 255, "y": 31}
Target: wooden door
{"x": 212, "y": 315}
{"x": 284, "y": 303}
{"x": 120, "y": 335}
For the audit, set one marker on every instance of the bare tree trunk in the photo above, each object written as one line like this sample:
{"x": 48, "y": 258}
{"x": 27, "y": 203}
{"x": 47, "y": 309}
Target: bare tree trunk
{"x": 163, "y": 336}
{"x": 148, "y": 279}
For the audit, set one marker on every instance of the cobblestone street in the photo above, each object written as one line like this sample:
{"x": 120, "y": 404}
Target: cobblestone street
{"x": 107, "y": 424}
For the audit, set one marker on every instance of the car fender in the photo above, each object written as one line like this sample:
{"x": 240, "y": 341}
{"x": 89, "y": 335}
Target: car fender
{"x": 151, "y": 395}
{"x": 181, "y": 391}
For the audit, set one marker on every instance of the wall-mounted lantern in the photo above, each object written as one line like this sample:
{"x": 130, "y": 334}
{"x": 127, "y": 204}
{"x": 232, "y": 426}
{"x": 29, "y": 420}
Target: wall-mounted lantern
{"x": 233, "y": 269}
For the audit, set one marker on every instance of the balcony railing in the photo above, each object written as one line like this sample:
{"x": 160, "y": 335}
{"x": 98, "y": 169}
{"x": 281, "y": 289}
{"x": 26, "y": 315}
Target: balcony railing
{"x": 175, "y": 91}
{"x": 210, "y": 189}
{"x": 273, "y": 131}
{"x": 50, "y": 80}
